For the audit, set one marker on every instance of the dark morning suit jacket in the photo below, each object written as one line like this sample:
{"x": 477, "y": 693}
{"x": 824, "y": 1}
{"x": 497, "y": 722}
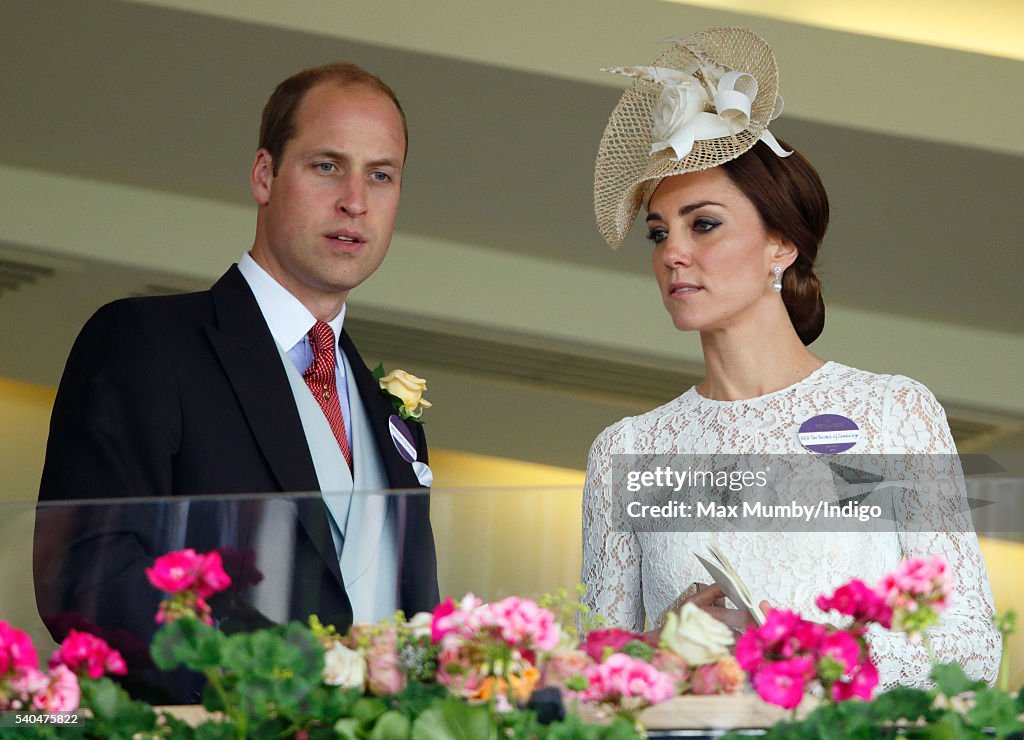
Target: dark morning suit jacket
{"x": 181, "y": 396}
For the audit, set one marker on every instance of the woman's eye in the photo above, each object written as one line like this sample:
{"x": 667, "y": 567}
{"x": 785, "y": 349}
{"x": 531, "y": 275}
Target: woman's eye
{"x": 705, "y": 224}
{"x": 657, "y": 235}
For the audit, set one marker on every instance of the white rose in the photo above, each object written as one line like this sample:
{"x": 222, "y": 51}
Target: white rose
{"x": 696, "y": 636}
{"x": 677, "y": 104}
{"x": 408, "y": 388}
{"x": 419, "y": 625}
{"x": 344, "y": 667}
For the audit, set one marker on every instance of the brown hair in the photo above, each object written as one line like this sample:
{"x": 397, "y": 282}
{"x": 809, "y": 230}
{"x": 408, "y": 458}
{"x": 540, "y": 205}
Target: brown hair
{"x": 793, "y": 204}
{"x": 278, "y": 124}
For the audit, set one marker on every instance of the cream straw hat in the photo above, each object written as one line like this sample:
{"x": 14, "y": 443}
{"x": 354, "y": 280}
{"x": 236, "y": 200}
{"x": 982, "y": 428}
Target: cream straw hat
{"x": 706, "y": 100}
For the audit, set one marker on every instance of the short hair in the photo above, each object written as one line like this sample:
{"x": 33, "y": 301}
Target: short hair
{"x": 277, "y": 126}
{"x": 792, "y": 202}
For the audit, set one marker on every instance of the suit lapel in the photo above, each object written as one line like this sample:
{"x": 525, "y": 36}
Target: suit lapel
{"x": 250, "y": 358}
{"x": 379, "y": 410}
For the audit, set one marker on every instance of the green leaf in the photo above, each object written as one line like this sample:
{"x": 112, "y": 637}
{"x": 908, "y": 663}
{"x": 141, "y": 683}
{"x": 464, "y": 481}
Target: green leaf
{"x": 216, "y": 731}
{"x": 903, "y": 703}
{"x": 188, "y": 642}
{"x": 368, "y": 709}
{"x": 347, "y": 728}
{"x": 638, "y": 649}
{"x": 451, "y": 719}
{"x": 391, "y": 726}
{"x": 378, "y": 372}
{"x": 993, "y": 708}
{"x": 951, "y": 679}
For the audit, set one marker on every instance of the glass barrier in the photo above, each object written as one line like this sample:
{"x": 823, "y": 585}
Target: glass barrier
{"x": 82, "y": 563}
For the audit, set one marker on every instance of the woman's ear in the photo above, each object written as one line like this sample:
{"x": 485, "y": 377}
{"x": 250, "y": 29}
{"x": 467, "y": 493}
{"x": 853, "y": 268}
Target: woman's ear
{"x": 262, "y": 177}
{"x": 783, "y": 252}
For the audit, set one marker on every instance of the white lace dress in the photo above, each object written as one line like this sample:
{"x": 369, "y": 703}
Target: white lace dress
{"x": 633, "y": 577}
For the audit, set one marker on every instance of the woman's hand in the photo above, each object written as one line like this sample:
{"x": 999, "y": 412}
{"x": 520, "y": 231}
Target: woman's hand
{"x": 712, "y": 600}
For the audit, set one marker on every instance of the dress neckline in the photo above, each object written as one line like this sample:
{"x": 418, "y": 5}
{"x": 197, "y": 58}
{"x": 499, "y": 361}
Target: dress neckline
{"x": 810, "y": 377}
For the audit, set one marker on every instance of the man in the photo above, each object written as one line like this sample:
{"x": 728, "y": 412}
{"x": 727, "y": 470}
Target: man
{"x": 244, "y": 389}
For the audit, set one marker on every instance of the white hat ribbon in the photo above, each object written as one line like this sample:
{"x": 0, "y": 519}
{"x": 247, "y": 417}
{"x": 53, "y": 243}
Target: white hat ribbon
{"x": 682, "y": 115}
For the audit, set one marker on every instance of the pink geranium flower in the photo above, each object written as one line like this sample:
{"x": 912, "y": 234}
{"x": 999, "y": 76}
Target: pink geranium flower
{"x": 861, "y": 685}
{"x": 211, "y": 577}
{"x": 782, "y": 682}
{"x": 89, "y": 655}
{"x": 855, "y": 599}
{"x": 520, "y": 622}
{"x": 843, "y": 648}
{"x": 16, "y": 649}
{"x": 749, "y": 652}
{"x": 176, "y": 571}
{"x": 61, "y": 693}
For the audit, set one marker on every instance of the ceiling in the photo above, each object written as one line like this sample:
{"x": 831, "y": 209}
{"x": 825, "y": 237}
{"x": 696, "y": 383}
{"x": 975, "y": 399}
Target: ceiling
{"x": 917, "y": 144}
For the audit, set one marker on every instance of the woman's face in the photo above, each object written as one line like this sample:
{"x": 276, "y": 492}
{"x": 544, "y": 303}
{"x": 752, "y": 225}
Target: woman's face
{"x": 712, "y": 256}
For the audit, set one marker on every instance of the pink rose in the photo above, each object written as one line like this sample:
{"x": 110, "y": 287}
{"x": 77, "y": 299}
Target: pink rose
{"x": 782, "y": 682}
{"x": 600, "y": 642}
{"x": 672, "y": 664}
{"x": 16, "y": 649}
{"x": 563, "y": 665}
{"x": 456, "y": 671}
{"x": 721, "y": 677}
{"x": 730, "y": 675}
{"x": 384, "y": 673}
{"x": 88, "y": 654}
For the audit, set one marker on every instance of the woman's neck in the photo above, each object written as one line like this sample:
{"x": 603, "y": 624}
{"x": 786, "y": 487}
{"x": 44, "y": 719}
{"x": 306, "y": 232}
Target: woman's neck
{"x": 742, "y": 364}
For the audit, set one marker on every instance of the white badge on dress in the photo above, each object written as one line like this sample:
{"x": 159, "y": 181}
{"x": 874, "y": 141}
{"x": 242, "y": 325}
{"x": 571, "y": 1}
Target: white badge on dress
{"x": 829, "y": 434}
{"x": 402, "y": 438}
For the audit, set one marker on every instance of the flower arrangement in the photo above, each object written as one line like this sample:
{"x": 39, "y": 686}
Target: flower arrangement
{"x": 507, "y": 668}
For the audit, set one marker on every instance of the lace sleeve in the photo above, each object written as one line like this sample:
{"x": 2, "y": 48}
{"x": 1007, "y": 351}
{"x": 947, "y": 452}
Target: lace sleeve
{"x": 611, "y": 559}
{"x": 934, "y": 520}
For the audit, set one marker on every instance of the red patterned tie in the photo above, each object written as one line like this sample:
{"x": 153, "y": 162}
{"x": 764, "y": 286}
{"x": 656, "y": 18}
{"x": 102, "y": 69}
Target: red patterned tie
{"x": 319, "y": 376}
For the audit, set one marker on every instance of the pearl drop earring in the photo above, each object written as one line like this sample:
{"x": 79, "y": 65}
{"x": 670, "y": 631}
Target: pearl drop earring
{"x": 777, "y": 282}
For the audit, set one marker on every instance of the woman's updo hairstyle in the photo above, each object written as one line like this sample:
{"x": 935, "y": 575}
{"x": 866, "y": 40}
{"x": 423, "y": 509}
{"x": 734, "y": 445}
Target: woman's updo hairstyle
{"x": 793, "y": 205}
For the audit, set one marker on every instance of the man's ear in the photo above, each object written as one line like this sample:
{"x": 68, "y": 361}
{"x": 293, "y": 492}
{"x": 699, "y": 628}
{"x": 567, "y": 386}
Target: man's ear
{"x": 262, "y": 177}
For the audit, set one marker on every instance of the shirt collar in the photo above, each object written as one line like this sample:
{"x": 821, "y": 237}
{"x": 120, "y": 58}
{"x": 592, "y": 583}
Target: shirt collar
{"x": 289, "y": 321}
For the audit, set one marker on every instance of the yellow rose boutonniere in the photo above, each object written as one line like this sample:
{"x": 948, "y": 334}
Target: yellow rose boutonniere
{"x": 405, "y": 391}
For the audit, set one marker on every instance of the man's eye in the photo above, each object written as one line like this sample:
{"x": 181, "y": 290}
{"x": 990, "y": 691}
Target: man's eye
{"x": 325, "y": 167}
{"x": 705, "y": 224}
{"x": 657, "y": 235}
{"x": 381, "y": 176}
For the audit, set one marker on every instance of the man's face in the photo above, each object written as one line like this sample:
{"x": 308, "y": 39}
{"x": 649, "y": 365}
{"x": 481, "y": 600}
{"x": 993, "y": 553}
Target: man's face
{"x": 327, "y": 216}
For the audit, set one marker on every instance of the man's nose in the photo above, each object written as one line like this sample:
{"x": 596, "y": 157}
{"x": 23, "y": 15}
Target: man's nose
{"x": 352, "y": 196}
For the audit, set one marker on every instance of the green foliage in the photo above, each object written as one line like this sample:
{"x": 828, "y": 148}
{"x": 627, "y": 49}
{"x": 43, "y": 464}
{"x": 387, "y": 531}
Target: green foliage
{"x": 451, "y": 719}
{"x": 188, "y": 642}
{"x": 958, "y": 708}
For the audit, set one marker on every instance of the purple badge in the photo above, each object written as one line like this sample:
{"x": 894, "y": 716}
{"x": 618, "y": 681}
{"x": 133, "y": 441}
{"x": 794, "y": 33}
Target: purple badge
{"x": 829, "y": 434}
{"x": 402, "y": 438}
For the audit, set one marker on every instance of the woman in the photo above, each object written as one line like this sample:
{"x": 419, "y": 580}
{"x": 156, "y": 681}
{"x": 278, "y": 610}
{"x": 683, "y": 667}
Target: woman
{"x": 736, "y": 221}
